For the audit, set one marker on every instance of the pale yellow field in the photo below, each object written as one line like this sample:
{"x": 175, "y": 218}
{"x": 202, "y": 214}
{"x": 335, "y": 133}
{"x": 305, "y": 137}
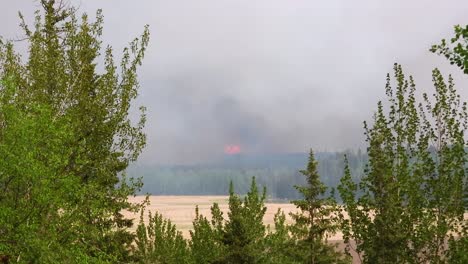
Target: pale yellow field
{"x": 181, "y": 209}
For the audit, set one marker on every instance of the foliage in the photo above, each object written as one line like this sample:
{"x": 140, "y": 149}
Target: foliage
{"x": 281, "y": 247}
{"x": 33, "y": 193}
{"x": 412, "y": 194}
{"x": 160, "y": 242}
{"x": 278, "y": 173}
{"x": 74, "y": 139}
{"x": 244, "y": 230}
{"x": 315, "y": 220}
{"x": 242, "y": 237}
{"x": 207, "y": 235}
{"x": 66, "y": 140}
{"x": 455, "y": 50}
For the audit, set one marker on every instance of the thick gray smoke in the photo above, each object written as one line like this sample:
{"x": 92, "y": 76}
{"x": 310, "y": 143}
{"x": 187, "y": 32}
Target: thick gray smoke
{"x": 268, "y": 75}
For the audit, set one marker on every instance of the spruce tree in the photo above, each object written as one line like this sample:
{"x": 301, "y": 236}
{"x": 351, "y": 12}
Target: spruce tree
{"x": 159, "y": 241}
{"x": 205, "y": 243}
{"x": 280, "y": 245}
{"x": 315, "y": 219}
{"x": 244, "y": 230}
{"x": 241, "y": 238}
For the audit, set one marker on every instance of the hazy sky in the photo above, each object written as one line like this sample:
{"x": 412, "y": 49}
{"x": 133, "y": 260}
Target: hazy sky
{"x": 269, "y": 75}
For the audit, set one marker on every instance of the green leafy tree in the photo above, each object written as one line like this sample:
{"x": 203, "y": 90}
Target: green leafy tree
{"x": 61, "y": 76}
{"x": 315, "y": 220}
{"x": 35, "y": 196}
{"x": 456, "y": 49}
{"x": 410, "y": 200}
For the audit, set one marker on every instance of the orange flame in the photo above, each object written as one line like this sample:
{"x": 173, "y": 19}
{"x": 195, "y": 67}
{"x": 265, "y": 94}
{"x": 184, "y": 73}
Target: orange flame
{"x": 232, "y": 149}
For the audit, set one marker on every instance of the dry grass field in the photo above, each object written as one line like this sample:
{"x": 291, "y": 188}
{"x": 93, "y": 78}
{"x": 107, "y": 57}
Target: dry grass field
{"x": 181, "y": 209}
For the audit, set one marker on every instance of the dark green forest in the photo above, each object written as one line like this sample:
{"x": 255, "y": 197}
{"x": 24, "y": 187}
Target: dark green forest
{"x": 277, "y": 172}
{"x": 67, "y": 140}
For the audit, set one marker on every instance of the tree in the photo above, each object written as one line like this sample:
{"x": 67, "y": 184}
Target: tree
{"x": 31, "y": 191}
{"x": 457, "y": 53}
{"x": 411, "y": 194}
{"x": 455, "y": 50}
{"x": 62, "y": 76}
{"x": 280, "y": 245}
{"x": 238, "y": 239}
{"x": 315, "y": 220}
{"x": 160, "y": 242}
{"x": 244, "y": 230}
{"x": 206, "y": 235}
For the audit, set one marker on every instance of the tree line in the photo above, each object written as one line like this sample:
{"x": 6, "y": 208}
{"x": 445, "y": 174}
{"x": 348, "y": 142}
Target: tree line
{"x": 278, "y": 173}
{"x": 66, "y": 140}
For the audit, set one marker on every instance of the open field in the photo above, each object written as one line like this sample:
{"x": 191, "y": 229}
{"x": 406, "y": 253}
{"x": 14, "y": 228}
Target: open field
{"x": 181, "y": 210}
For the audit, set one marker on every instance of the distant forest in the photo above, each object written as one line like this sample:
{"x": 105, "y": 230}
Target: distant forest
{"x": 277, "y": 172}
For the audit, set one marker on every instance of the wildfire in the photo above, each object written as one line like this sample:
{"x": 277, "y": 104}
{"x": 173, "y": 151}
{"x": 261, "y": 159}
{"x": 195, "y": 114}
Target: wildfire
{"x": 232, "y": 149}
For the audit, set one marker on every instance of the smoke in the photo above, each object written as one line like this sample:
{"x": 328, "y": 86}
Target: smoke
{"x": 268, "y": 75}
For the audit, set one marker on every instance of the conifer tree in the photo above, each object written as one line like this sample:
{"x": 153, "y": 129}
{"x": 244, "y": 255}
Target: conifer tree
{"x": 205, "y": 243}
{"x": 238, "y": 239}
{"x": 280, "y": 245}
{"x": 243, "y": 237}
{"x": 159, "y": 241}
{"x": 315, "y": 220}
{"x": 244, "y": 230}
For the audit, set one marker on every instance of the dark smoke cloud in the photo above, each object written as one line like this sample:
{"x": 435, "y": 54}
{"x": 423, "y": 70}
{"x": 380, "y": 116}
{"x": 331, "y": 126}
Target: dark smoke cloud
{"x": 269, "y": 75}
